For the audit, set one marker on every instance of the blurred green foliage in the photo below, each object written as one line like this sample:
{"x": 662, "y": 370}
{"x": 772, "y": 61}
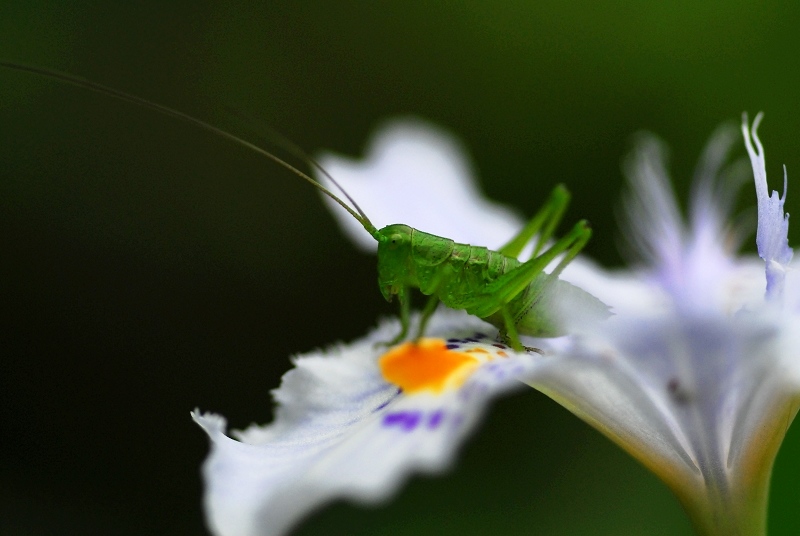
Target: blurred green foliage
{"x": 149, "y": 267}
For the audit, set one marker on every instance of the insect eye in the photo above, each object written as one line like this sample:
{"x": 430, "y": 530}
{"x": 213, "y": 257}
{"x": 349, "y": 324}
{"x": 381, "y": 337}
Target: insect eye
{"x": 395, "y": 240}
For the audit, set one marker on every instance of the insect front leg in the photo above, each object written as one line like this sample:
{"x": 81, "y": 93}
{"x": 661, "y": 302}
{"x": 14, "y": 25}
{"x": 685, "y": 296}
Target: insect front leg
{"x": 427, "y": 312}
{"x": 405, "y": 315}
{"x": 432, "y": 287}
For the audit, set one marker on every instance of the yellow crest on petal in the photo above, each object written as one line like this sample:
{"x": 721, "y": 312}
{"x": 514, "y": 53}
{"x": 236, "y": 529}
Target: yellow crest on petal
{"x": 429, "y": 365}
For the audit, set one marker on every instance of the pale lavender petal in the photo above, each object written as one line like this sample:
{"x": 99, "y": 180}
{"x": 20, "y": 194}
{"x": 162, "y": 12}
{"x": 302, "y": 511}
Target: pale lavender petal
{"x": 695, "y": 375}
{"x": 653, "y": 220}
{"x": 715, "y": 186}
{"x": 772, "y": 236}
{"x": 689, "y": 263}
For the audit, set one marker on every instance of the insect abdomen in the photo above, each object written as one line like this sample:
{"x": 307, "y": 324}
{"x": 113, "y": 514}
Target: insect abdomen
{"x": 464, "y": 275}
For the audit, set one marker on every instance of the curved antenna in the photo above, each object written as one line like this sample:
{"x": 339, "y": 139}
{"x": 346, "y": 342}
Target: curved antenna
{"x": 121, "y": 95}
{"x": 294, "y": 149}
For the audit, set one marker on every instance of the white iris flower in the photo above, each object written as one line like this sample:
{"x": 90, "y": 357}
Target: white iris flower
{"x": 695, "y": 375}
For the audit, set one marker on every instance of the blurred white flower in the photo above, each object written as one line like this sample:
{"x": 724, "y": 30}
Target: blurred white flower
{"x": 702, "y": 383}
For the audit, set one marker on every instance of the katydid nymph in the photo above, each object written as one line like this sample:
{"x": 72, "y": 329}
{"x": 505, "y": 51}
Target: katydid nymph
{"x": 519, "y": 298}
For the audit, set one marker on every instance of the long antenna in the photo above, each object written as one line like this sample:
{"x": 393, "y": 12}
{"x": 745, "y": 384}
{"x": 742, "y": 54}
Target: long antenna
{"x": 282, "y": 141}
{"x": 127, "y": 97}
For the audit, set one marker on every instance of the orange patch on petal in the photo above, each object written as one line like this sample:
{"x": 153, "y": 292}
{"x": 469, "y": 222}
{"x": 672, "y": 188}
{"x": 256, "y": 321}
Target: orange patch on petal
{"x": 426, "y": 366}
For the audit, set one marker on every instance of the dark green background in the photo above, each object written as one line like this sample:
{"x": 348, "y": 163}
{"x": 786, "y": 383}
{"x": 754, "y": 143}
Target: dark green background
{"x": 149, "y": 267}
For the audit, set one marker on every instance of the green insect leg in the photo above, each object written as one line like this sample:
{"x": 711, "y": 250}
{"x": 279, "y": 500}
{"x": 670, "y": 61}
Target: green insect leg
{"x": 538, "y": 288}
{"x": 405, "y": 315}
{"x": 500, "y": 292}
{"x": 546, "y": 221}
{"x": 509, "y": 334}
{"x": 574, "y": 249}
{"x": 506, "y": 287}
{"x": 427, "y": 312}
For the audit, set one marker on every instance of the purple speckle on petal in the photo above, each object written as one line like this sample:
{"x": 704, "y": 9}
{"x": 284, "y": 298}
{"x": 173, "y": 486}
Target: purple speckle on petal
{"x": 435, "y": 419}
{"x": 405, "y": 420}
{"x": 472, "y": 389}
{"x": 481, "y": 388}
{"x": 453, "y": 340}
{"x": 456, "y": 421}
{"x": 452, "y": 346}
{"x": 466, "y": 392}
{"x": 499, "y": 345}
{"x": 383, "y": 405}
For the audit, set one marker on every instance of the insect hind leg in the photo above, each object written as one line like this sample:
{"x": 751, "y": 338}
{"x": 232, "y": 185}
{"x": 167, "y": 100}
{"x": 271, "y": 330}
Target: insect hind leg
{"x": 543, "y": 223}
{"x": 497, "y": 295}
{"x": 573, "y": 250}
{"x": 505, "y": 288}
{"x": 509, "y": 335}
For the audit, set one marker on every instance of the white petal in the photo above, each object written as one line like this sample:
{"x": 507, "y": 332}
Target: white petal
{"x": 341, "y": 430}
{"x": 622, "y": 291}
{"x": 789, "y": 370}
{"x": 418, "y": 174}
{"x": 701, "y": 401}
{"x": 595, "y": 387}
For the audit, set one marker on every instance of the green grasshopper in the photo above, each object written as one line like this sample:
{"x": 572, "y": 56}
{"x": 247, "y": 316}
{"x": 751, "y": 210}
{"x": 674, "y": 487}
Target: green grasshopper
{"x": 518, "y": 298}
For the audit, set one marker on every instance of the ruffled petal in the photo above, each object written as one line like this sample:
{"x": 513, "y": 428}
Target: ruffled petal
{"x": 355, "y": 422}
